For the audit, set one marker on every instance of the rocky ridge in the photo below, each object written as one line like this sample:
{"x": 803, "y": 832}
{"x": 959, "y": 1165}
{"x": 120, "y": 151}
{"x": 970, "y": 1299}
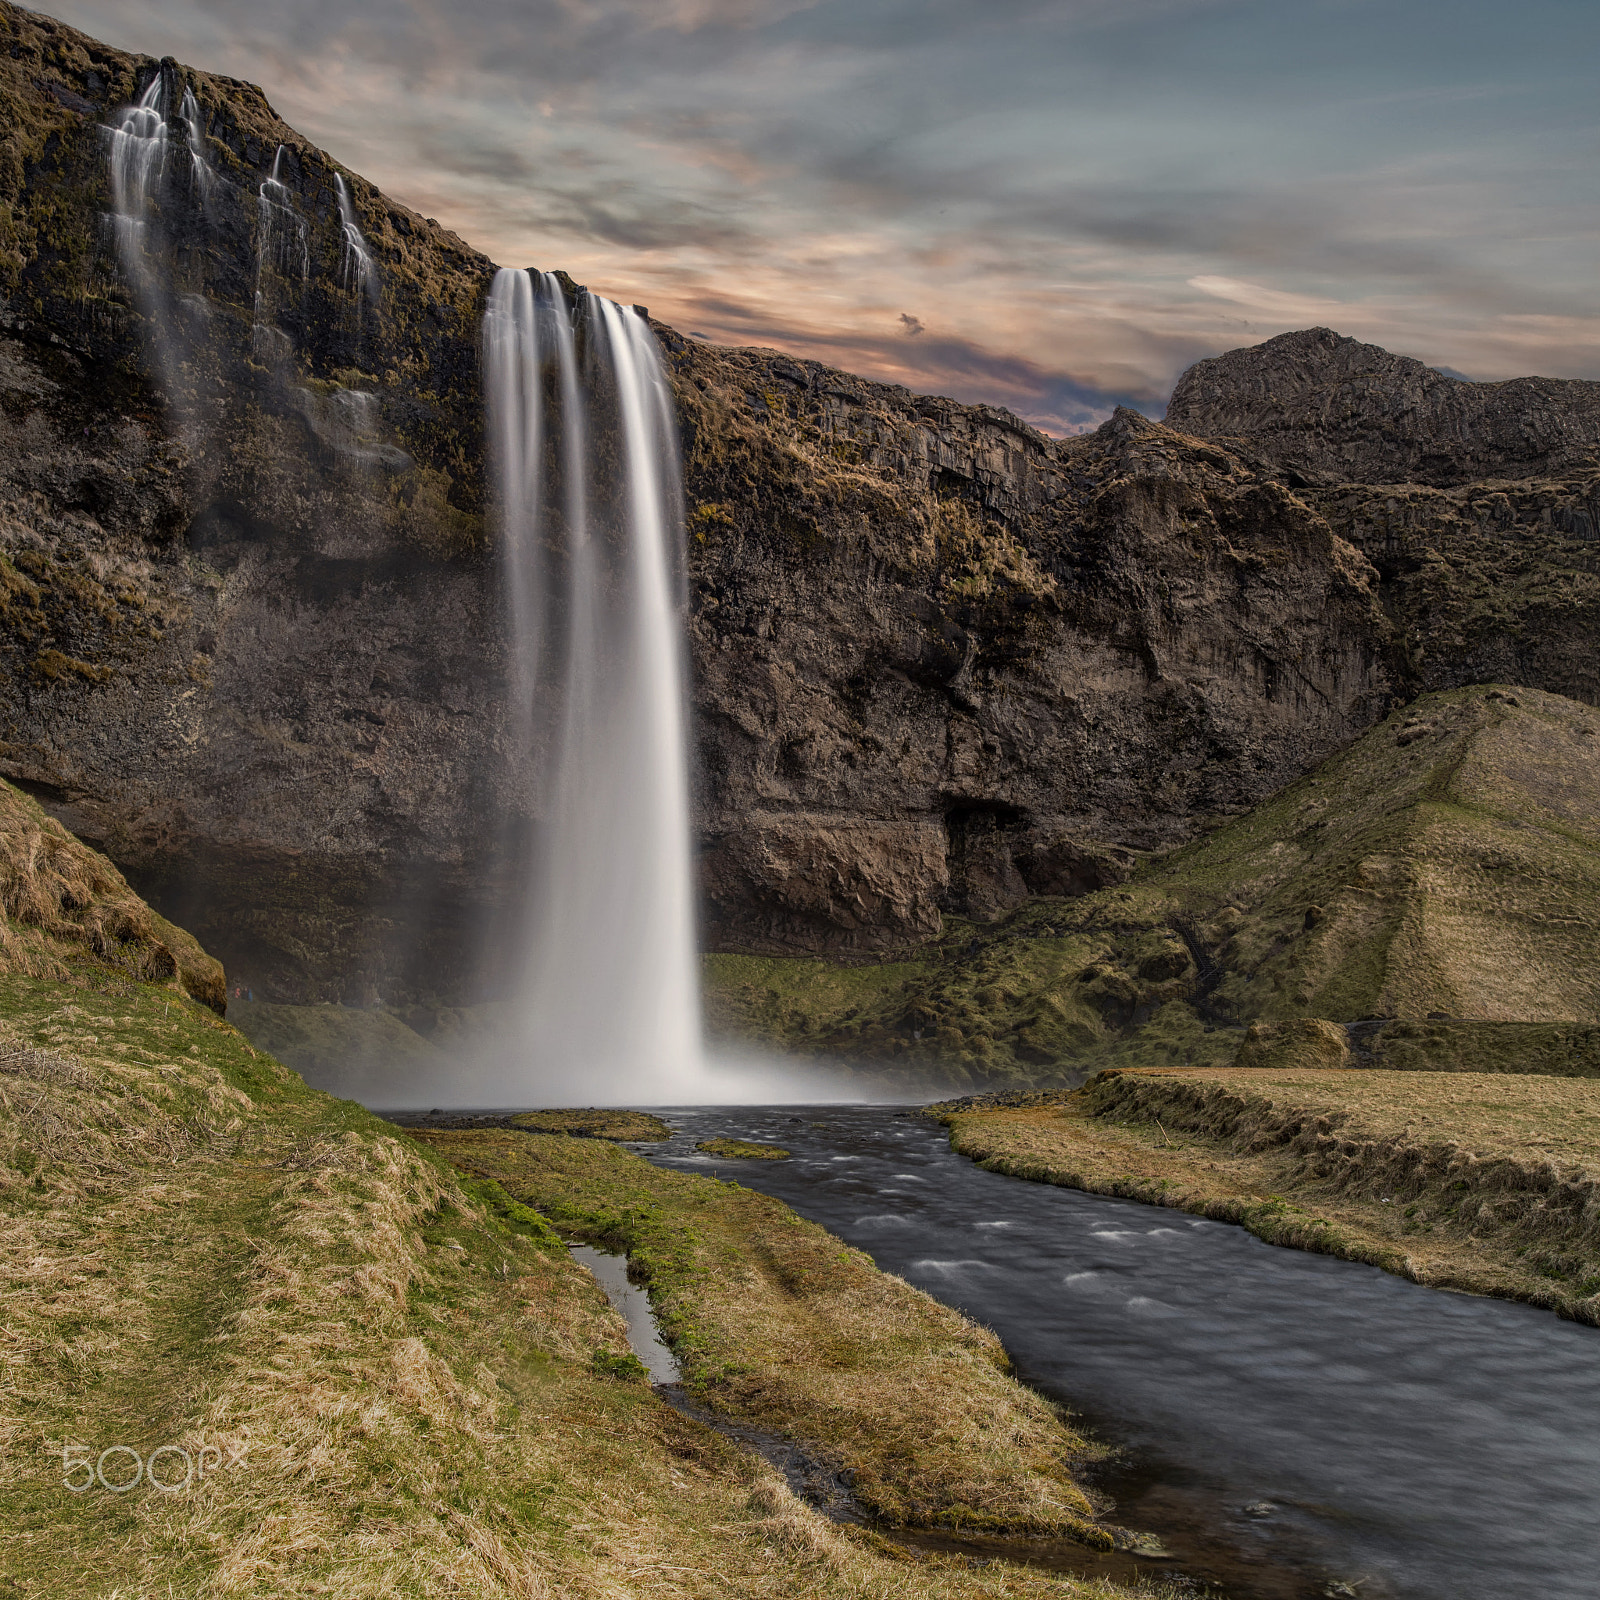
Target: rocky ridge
{"x": 1327, "y": 410}
{"x": 942, "y": 664}
{"x": 1477, "y": 503}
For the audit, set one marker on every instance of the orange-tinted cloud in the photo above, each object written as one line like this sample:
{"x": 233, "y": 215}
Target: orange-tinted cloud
{"x": 1070, "y": 200}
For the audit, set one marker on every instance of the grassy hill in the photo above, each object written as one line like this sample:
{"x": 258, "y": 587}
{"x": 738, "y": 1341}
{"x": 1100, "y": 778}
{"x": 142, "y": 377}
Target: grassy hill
{"x": 354, "y": 1371}
{"x": 1445, "y": 866}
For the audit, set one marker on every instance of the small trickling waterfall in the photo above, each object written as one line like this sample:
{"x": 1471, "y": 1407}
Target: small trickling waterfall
{"x": 138, "y": 141}
{"x": 356, "y": 270}
{"x": 582, "y": 433}
{"x": 138, "y": 157}
{"x": 282, "y": 251}
{"x": 201, "y": 170}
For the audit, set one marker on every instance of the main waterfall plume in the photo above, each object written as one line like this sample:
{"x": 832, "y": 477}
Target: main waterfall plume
{"x": 589, "y": 497}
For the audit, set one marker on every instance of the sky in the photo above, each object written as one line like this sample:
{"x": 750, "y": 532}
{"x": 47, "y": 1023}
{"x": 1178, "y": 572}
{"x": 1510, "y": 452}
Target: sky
{"x": 1050, "y": 205}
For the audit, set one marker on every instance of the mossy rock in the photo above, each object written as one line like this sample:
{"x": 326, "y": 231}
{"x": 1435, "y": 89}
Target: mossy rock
{"x": 742, "y": 1150}
{"x": 626, "y": 1127}
{"x": 1305, "y": 1042}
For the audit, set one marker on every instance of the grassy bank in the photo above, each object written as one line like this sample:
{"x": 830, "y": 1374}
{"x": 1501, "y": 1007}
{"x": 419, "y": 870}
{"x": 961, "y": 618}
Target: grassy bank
{"x": 777, "y": 1323}
{"x": 1483, "y": 1182}
{"x": 349, "y": 1370}
{"x": 396, "y": 1380}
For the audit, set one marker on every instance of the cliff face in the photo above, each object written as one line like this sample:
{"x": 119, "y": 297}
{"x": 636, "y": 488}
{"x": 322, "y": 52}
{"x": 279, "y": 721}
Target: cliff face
{"x": 249, "y": 643}
{"x": 1477, "y": 503}
{"x": 253, "y": 638}
{"x": 943, "y": 662}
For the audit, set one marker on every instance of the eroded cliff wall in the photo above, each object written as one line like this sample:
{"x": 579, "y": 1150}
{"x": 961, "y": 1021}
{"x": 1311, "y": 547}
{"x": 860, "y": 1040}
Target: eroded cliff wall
{"x": 1477, "y": 503}
{"x": 943, "y": 662}
{"x": 253, "y": 640}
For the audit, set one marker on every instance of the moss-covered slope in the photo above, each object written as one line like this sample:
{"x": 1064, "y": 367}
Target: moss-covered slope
{"x": 64, "y": 907}
{"x": 1447, "y": 865}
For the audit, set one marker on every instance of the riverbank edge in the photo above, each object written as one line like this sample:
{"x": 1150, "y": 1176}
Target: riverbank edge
{"x": 681, "y": 1233}
{"x": 1153, "y": 1104}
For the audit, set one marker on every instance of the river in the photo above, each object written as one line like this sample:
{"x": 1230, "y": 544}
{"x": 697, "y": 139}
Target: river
{"x": 1290, "y": 1424}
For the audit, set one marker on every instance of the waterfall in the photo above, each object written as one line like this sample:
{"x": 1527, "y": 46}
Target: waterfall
{"x": 357, "y": 272}
{"x": 282, "y": 247}
{"x": 137, "y": 142}
{"x": 138, "y": 157}
{"x": 282, "y": 242}
{"x": 589, "y": 496}
{"x": 203, "y": 173}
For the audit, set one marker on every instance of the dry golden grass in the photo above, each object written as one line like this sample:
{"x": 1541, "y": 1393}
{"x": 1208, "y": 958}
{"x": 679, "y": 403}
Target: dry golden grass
{"x": 61, "y": 902}
{"x": 1478, "y": 1181}
{"x": 394, "y": 1381}
{"x": 196, "y": 1250}
{"x": 778, "y": 1323}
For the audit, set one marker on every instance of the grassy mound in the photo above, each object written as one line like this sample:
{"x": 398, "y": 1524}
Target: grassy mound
{"x": 1465, "y": 1180}
{"x": 624, "y": 1126}
{"x": 64, "y": 906}
{"x": 326, "y": 1042}
{"x": 776, "y": 1322}
{"x": 1443, "y": 869}
{"x": 742, "y": 1150}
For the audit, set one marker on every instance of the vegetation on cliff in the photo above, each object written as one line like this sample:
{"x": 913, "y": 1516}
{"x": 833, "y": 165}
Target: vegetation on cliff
{"x": 66, "y": 913}
{"x": 1444, "y": 871}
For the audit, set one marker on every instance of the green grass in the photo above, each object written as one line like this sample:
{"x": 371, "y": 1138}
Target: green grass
{"x": 324, "y": 1041}
{"x": 776, "y": 1322}
{"x": 599, "y": 1123}
{"x": 1448, "y": 862}
{"x": 742, "y": 1150}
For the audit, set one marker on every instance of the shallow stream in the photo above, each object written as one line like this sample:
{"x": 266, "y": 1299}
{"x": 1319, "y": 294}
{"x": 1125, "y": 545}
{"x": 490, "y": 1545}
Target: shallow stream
{"x": 1290, "y": 1425}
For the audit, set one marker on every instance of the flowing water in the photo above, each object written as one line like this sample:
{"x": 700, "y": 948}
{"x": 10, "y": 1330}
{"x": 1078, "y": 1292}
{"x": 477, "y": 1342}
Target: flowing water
{"x": 136, "y": 158}
{"x": 634, "y": 1305}
{"x": 584, "y": 449}
{"x": 1292, "y": 1425}
{"x": 201, "y": 171}
{"x": 357, "y": 271}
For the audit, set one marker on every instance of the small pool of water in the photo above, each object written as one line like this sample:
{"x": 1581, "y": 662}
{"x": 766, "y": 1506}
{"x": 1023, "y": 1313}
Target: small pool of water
{"x": 634, "y": 1304}
{"x": 1291, "y": 1425}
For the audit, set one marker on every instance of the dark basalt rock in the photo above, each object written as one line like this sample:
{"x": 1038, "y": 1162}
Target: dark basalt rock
{"x": 1478, "y": 503}
{"x": 253, "y": 643}
{"x": 1326, "y": 410}
{"x": 943, "y": 662}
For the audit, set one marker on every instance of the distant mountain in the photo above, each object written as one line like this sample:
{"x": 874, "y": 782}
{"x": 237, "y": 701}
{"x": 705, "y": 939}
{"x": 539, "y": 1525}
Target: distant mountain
{"x": 1327, "y": 410}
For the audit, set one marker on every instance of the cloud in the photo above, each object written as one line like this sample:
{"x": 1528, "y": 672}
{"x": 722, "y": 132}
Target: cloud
{"x": 1058, "y": 402}
{"x": 1081, "y": 196}
{"x": 1272, "y": 303}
